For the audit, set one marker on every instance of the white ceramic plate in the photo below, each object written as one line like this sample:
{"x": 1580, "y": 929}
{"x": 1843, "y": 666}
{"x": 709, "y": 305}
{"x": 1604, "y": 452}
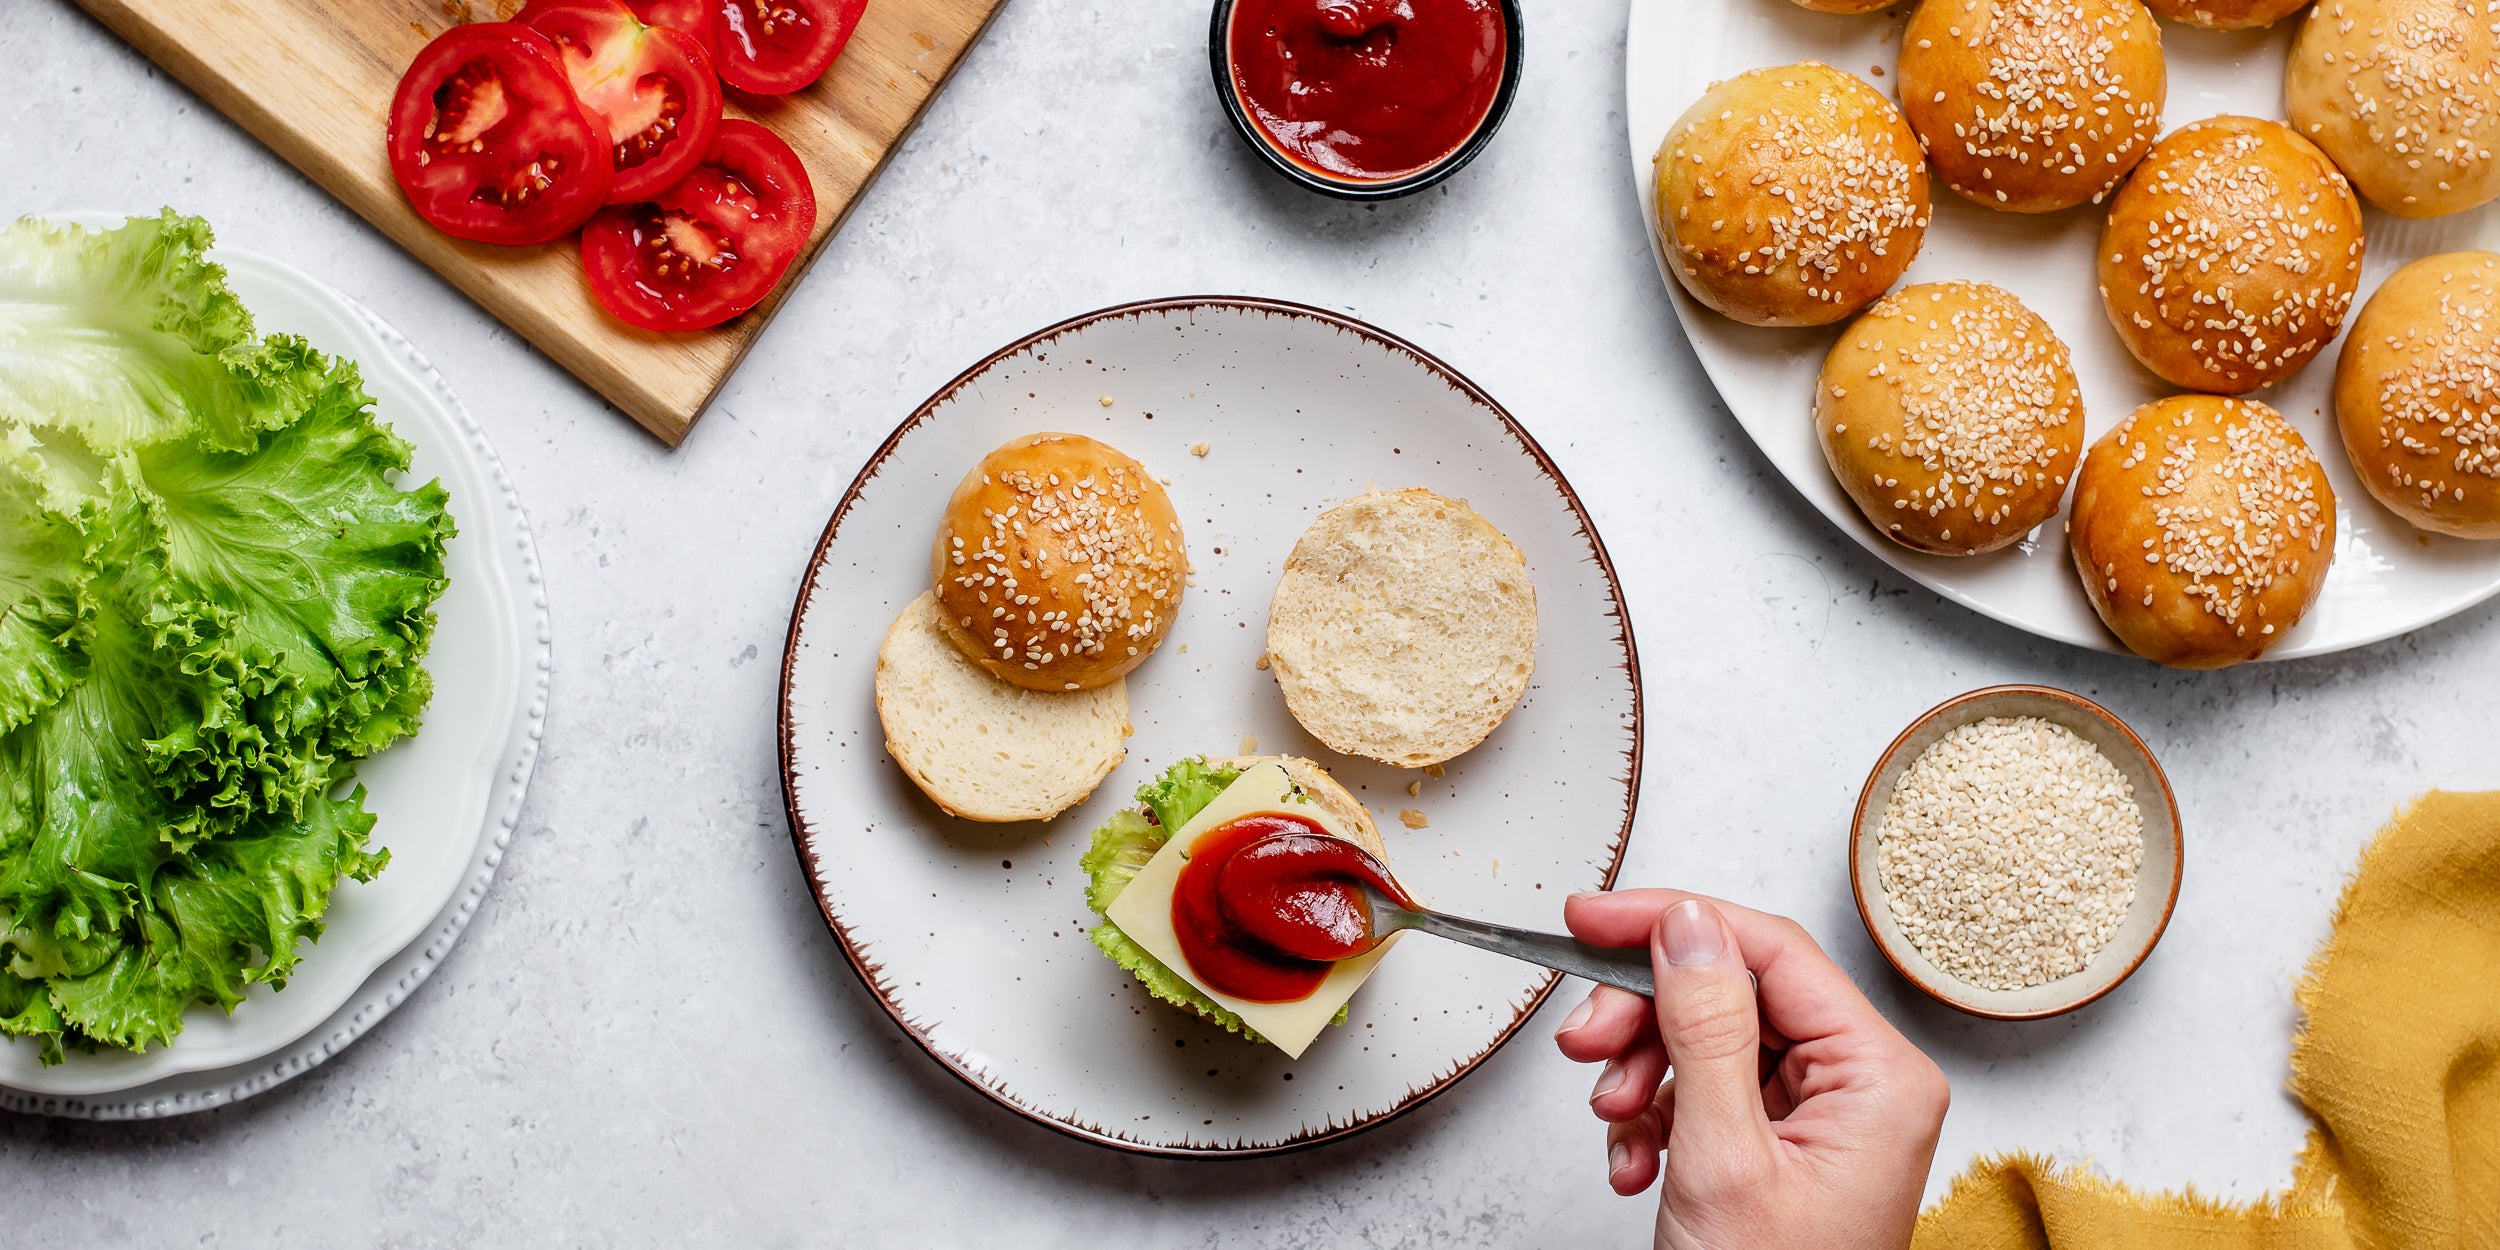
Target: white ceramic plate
{"x": 2388, "y": 577}
{"x": 972, "y": 935}
{"x": 445, "y": 800}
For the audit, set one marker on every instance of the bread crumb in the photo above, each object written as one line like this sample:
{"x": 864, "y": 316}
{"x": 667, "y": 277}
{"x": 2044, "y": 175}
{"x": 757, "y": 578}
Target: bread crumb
{"x": 1497, "y": 868}
{"x": 1414, "y": 789}
{"x": 1412, "y": 817}
{"x": 1184, "y": 648}
{"x": 1434, "y": 770}
{"x": 1249, "y": 744}
{"x": 1261, "y": 662}
{"x": 1106, "y": 401}
{"x": 1197, "y": 449}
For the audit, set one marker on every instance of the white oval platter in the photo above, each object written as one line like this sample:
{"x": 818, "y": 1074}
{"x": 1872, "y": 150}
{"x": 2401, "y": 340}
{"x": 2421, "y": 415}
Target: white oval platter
{"x": 2387, "y": 578}
{"x": 445, "y": 800}
{"x": 973, "y": 936}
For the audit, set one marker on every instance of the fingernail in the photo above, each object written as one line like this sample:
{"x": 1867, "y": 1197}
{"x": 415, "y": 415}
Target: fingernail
{"x": 1618, "y": 1157}
{"x": 1608, "y": 1080}
{"x": 1693, "y": 935}
{"x": 1579, "y": 1016}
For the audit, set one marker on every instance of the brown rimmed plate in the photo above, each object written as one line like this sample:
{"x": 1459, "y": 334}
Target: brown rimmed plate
{"x": 2157, "y": 878}
{"x": 1260, "y": 414}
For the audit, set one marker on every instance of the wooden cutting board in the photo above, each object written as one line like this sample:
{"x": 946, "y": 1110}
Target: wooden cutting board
{"x": 313, "y": 80}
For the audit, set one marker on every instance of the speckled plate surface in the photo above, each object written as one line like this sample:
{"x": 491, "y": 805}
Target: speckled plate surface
{"x": 2388, "y": 577}
{"x": 445, "y": 800}
{"x": 972, "y": 936}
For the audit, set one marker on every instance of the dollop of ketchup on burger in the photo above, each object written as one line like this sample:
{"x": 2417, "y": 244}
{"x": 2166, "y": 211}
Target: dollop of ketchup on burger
{"x": 1267, "y": 902}
{"x": 1369, "y": 90}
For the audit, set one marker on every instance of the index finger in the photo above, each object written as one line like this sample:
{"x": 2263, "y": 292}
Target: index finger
{"x": 1804, "y": 995}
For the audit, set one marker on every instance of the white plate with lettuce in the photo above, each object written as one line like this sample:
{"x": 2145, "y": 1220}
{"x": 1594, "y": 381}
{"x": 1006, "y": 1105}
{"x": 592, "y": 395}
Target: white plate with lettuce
{"x": 979, "y": 939}
{"x": 252, "y": 544}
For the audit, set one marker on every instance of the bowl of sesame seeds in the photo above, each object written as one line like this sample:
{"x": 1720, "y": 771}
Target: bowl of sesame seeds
{"x": 2016, "y": 852}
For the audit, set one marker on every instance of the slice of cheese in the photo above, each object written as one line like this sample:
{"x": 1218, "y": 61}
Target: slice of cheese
{"x": 1144, "y": 912}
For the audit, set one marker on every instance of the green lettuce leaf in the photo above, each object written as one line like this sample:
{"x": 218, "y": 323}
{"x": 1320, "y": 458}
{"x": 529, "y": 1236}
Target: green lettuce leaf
{"x": 43, "y": 569}
{"x": 130, "y": 336}
{"x": 223, "y": 918}
{"x": 213, "y": 601}
{"x": 331, "y": 569}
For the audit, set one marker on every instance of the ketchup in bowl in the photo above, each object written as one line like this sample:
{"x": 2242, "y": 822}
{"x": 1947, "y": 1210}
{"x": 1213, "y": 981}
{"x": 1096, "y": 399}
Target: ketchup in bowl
{"x": 1268, "y": 901}
{"x": 1369, "y": 92}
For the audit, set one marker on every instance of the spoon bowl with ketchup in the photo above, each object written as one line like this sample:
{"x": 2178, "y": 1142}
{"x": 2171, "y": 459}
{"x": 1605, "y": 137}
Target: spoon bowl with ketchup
{"x": 1274, "y": 905}
{"x": 1366, "y": 99}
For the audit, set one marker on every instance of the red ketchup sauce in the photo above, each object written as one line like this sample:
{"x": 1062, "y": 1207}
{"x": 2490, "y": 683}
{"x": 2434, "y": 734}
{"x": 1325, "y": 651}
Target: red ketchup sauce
{"x": 1368, "y": 90}
{"x": 1260, "y": 917}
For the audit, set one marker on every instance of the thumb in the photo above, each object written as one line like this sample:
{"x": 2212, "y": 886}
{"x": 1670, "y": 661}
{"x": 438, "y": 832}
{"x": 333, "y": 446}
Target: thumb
{"x": 1714, "y": 1039}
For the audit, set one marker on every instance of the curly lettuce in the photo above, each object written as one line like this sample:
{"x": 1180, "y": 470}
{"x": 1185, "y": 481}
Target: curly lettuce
{"x": 214, "y": 600}
{"x": 1123, "y": 846}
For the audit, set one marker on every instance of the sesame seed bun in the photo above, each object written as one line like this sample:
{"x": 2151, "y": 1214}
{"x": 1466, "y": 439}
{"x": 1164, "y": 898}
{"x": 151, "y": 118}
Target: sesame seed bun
{"x": 2417, "y": 394}
{"x": 2227, "y": 14}
{"x": 1403, "y": 629}
{"x": 1949, "y": 413}
{"x": 1790, "y": 196}
{"x": 2231, "y": 256}
{"x": 2029, "y": 106}
{"x": 2405, "y": 95}
{"x": 1059, "y": 563}
{"x": 2202, "y": 529}
{"x": 980, "y": 748}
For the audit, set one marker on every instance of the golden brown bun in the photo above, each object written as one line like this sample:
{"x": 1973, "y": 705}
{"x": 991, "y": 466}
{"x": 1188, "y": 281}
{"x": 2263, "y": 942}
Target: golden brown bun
{"x": 1790, "y": 196}
{"x": 2231, "y": 257}
{"x": 1059, "y": 563}
{"x": 1950, "y": 415}
{"x": 2405, "y": 95}
{"x": 2033, "y": 105}
{"x": 2227, "y": 14}
{"x": 2202, "y": 529}
{"x": 2417, "y": 394}
{"x": 1846, "y": 6}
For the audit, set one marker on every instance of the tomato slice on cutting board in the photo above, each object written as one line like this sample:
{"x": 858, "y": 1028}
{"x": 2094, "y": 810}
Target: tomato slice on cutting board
{"x": 487, "y": 141}
{"x": 653, "y": 87}
{"x": 695, "y": 17}
{"x": 773, "y": 47}
{"x": 711, "y": 247}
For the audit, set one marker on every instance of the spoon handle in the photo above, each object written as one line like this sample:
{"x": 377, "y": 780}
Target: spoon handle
{"x": 1622, "y": 967}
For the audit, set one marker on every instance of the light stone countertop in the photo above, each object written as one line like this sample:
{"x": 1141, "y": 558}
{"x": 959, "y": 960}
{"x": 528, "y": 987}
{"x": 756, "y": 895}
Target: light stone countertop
{"x": 647, "y": 1036}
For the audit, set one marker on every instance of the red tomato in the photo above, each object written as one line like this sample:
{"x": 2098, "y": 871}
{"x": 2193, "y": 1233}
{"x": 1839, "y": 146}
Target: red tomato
{"x": 487, "y": 141}
{"x": 773, "y": 47}
{"x": 710, "y": 247}
{"x": 652, "y": 86}
{"x": 695, "y": 17}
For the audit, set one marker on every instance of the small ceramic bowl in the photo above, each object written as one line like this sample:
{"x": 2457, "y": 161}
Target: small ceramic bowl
{"x": 2157, "y": 881}
{"x": 1219, "y": 44}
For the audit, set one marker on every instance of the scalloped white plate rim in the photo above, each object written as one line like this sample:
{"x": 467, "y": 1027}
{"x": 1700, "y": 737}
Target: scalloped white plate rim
{"x": 2388, "y": 578}
{"x": 340, "y": 991}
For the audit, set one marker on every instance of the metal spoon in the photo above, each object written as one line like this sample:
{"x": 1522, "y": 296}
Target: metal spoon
{"x": 1622, "y": 967}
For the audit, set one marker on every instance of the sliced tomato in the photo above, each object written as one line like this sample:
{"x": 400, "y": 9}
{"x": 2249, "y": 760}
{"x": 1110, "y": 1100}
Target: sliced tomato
{"x": 651, "y": 86}
{"x": 487, "y": 141}
{"x": 711, "y": 247}
{"x": 773, "y": 47}
{"x": 695, "y": 17}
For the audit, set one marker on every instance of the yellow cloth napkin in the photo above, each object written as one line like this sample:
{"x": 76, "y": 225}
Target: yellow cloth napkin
{"x": 2398, "y": 1063}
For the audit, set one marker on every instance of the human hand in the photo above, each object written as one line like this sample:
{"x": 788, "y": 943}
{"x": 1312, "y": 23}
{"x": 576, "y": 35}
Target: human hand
{"x": 1809, "y": 1123}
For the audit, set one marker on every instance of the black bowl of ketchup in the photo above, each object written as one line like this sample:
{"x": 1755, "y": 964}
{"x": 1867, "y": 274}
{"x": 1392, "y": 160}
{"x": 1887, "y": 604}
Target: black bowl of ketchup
{"x": 1366, "y": 99}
